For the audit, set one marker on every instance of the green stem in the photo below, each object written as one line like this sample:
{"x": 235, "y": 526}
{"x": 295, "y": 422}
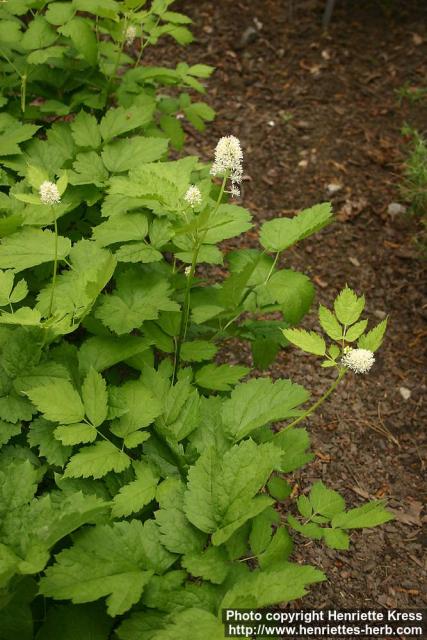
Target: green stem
{"x": 55, "y": 270}
{"x": 23, "y": 92}
{"x": 319, "y": 402}
{"x": 272, "y": 267}
{"x": 117, "y": 62}
{"x": 187, "y": 296}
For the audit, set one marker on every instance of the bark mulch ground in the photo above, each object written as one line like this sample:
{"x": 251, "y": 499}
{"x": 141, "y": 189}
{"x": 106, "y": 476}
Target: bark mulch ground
{"x": 312, "y": 110}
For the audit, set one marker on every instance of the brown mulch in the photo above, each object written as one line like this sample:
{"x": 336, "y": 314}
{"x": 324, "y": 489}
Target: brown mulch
{"x": 312, "y": 110}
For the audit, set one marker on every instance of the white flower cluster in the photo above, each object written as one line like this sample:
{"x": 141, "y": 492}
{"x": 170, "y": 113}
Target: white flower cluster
{"x": 358, "y": 360}
{"x": 228, "y": 159}
{"x": 48, "y": 192}
{"x": 130, "y": 34}
{"x": 193, "y": 197}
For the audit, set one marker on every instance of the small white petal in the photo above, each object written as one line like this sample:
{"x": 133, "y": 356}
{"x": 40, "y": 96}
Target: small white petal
{"x": 193, "y": 197}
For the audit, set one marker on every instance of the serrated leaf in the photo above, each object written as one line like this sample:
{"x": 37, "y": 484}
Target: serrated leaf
{"x": 138, "y": 252}
{"x": 265, "y": 588}
{"x": 79, "y": 30}
{"x": 30, "y": 247}
{"x": 96, "y": 461}
{"x": 139, "y": 407}
{"x": 122, "y": 227}
{"x": 136, "y": 299}
{"x": 293, "y": 444}
{"x": 308, "y": 341}
{"x": 211, "y": 564}
{"x": 202, "y": 623}
{"x": 41, "y": 435}
{"x": 356, "y": 330}
{"x": 120, "y": 120}
{"x": 221, "y": 491}
{"x": 197, "y": 351}
{"x": 95, "y": 397}
{"x": 348, "y": 306}
{"x": 281, "y": 233}
{"x": 310, "y": 529}
{"x": 369, "y": 515}
{"x": 279, "y": 488}
{"x": 220, "y": 377}
{"x": 71, "y": 434}
{"x": 329, "y": 323}
{"x": 258, "y": 402}
{"x": 336, "y": 538}
{"x": 136, "y": 494}
{"x": 85, "y": 130}
{"x": 326, "y": 501}
{"x": 58, "y": 401}
{"x": 293, "y": 291}
{"x": 278, "y": 551}
{"x": 373, "y": 339}
{"x": 304, "y": 506}
{"x": 123, "y": 155}
{"x": 105, "y": 561}
{"x": 261, "y": 530}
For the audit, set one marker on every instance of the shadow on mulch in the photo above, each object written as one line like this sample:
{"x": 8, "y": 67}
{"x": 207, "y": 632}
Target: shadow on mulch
{"x": 319, "y": 119}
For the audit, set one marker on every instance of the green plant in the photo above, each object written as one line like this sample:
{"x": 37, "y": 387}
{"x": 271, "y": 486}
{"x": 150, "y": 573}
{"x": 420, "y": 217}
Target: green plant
{"x": 57, "y": 57}
{"x": 411, "y": 93}
{"x": 142, "y": 487}
{"x": 134, "y": 467}
{"x": 414, "y": 186}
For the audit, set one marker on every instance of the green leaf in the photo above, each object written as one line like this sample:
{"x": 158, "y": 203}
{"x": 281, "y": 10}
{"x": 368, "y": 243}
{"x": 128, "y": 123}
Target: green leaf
{"x": 59, "y": 12}
{"x": 308, "y": 341}
{"x": 68, "y": 622}
{"x": 294, "y": 444}
{"x": 356, "y": 331}
{"x": 329, "y": 323}
{"x": 202, "y": 623}
{"x": 326, "y": 501}
{"x": 121, "y": 228}
{"x": 105, "y": 561}
{"x": 261, "y": 530}
{"x": 79, "y": 30}
{"x": 103, "y": 352}
{"x": 220, "y": 377}
{"x": 265, "y": 588}
{"x": 369, "y": 515}
{"x": 211, "y": 564}
{"x": 41, "y": 435}
{"x": 336, "y": 538}
{"x": 88, "y": 169}
{"x": 123, "y": 155}
{"x": 95, "y": 398}
{"x": 138, "y": 252}
{"x": 228, "y": 221}
{"x": 373, "y": 339}
{"x": 304, "y": 506}
{"x": 8, "y": 431}
{"x": 138, "y": 297}
{"x": 348, "y": 306}
{"x": 173, "y": 129}
{"x": 96, "y": 461}
{"x": 220, "y": 494}
{"x": 30, "y": 247}
{"x": 310, "y": 530}
{"x": 12, "y": 133}
{"x": 138, "y": 407}
{"x": 38, "y": 35}
{"x": 278, "y": 551}
{"x": 58, "y": 401}
{"x": 197, "y": 351}
{"x": 258, "y": 402}
{"x": 279, "y": 488}
{"x": 71, "y": 434}
{"x": 279, "y": 234}
{"x": 136, "y": 494}
{"x": 293, "y": 291}
{"x": 85, "y": 130}
{"x": 9, "y": 293}
{"x": 103, "y": 8}
{"x": 120, "y": 120}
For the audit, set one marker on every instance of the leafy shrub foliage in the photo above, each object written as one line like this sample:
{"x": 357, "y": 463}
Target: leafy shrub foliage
{"x": 140, "y": 477}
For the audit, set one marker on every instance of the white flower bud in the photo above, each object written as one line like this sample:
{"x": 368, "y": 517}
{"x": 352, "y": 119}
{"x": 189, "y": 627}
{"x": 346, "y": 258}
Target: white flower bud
{"x": 49, "y": 193}
{"x": 187, "y": 271}
{"x": 130, "y": 34}
{"x": 358, "y": 360}
{"x": 193, "y": 197}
